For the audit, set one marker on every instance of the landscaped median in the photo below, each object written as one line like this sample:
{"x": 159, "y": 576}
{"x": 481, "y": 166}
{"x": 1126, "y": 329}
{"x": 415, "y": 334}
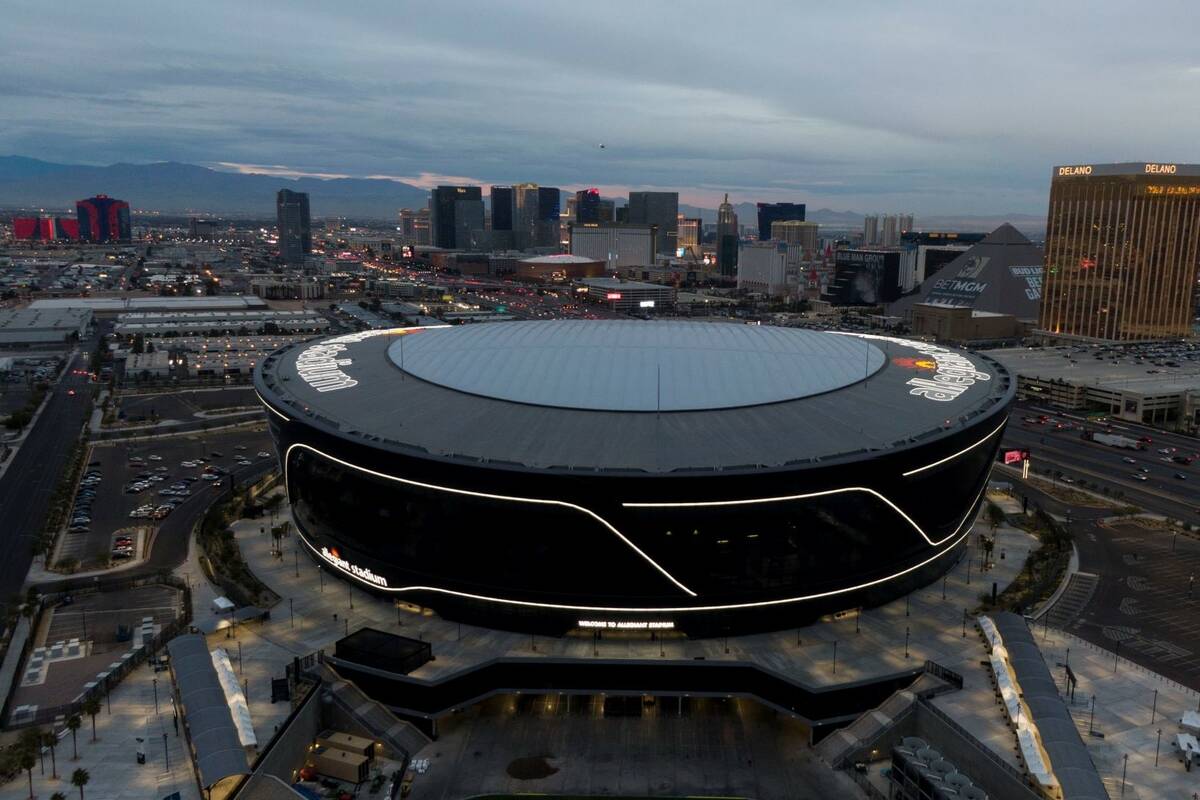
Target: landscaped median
{"x": 220, "y": 556}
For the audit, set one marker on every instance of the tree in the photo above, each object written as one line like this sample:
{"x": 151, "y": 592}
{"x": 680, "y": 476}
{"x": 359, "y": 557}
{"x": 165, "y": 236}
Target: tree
{"x": 58, "y": 796}
{"x": 27, "y": 762}
{"x": 79, "y": 778}
{"x": 50, "y": 740}
{"x": 73, "y": 723}
{"x": 30, "y": 741}
{"x": 995, "y": 515}
{"x": 91, "y": 707}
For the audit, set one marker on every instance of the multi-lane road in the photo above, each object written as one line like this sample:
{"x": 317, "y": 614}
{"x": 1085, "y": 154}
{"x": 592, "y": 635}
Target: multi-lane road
{"x": 30, "y": 481}
{"x": 1080, "y": 461}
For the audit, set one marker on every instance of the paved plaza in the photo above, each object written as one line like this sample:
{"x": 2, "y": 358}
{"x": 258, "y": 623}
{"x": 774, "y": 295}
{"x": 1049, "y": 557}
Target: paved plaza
{"x": 111, "y": 761}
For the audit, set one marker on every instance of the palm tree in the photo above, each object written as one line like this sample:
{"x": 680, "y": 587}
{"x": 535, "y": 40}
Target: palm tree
{"x": 73, "y": 723}
{"x": 31, "y": 740}
{"x": 50, "y": 739}
{"x": 91, "y": 707}
{"x": 27, "y": 762}
{"x": 80, "y": 778}
{"x": 58, "y": 796}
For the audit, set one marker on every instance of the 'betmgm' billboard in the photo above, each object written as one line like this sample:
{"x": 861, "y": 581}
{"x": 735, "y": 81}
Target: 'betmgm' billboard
{"x": 865, "y": 278}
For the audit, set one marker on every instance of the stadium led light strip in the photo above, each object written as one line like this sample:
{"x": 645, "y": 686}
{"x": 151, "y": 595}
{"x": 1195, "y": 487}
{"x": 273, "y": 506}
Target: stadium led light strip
{"x": 534, "y": 501}
{"x": 957, "y": 532}
{"x": 625, "y": 610}
{"x": 939, "y": 462}
{"x": 809, "y": 495}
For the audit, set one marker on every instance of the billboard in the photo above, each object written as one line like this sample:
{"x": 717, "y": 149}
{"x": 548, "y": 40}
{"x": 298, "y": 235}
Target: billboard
{"x": 864, "y": 278}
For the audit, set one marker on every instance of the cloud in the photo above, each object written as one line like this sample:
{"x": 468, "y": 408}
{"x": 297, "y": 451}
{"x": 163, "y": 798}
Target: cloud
{"x": 277, "y": 170}
{"x": 872, "y": 107}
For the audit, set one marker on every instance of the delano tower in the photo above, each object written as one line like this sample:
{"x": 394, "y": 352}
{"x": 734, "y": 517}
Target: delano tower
{"x": 1122, "y": 251}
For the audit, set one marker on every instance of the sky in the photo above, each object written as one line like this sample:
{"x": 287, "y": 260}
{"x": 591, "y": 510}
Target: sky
{"x": 952, "y": 107}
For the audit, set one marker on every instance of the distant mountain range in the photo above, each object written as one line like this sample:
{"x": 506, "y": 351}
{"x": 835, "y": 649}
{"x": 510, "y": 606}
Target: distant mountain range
{"x": 174, "y": 188}
{"x": 171, "y": 187}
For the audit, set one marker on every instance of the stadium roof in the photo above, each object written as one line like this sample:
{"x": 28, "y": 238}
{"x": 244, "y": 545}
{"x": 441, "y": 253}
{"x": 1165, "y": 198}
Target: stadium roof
{"x": 1001, "y": 274}
{"x": 618, "y": 365}
{"x": 353, "y": 386}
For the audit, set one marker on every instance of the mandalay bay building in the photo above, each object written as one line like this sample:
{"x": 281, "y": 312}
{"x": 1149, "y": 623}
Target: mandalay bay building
{"x": 1122, "y": 252}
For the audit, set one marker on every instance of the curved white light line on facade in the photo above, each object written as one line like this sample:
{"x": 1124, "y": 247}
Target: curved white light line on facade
{"x": 959, "y": 453}
{"x": 809, "y": 495}
{"x": 620, "y": 609}
{"x": 534, "y": 501}
{"x": 271, "y": 408}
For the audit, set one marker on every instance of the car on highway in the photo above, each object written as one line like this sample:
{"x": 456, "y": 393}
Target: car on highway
{"x": 1137, "y": 476}
{"x": 1129, "y": 460}
{"x": 155, "y": 457}
{"x": 263, "y": 454}
{"x": 1181, "y": 476}
{"x": 1143, "y": 469}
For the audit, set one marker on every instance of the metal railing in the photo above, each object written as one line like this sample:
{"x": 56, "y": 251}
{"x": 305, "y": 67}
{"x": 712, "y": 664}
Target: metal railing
{"x": 983, "y": 750}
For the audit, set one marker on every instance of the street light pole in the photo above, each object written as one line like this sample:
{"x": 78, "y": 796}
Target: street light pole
{"x": 906, "y": 631}
{"x": 1157, "y": 745}
{"x": 155, "y": 682}
{"x": 835, "y": 656}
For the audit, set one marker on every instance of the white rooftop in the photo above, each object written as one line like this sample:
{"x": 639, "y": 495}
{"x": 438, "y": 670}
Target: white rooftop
{"x": 631, "y": 365}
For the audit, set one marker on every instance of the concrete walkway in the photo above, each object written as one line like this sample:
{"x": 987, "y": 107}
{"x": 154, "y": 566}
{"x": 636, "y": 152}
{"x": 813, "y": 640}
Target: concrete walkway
{"x": 111, "y": 760}
{"x": 1132, "y": 705}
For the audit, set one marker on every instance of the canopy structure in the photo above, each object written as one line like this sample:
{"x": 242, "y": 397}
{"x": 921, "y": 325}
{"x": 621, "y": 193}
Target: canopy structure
{"x": 1048, "y": 721}
{"x": 238, "y": 708}
{"x": 214, "y": 736}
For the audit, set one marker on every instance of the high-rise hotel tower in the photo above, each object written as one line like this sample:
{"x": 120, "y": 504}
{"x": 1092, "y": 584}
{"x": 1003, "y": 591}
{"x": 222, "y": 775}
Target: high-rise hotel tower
{"x": 1122, "y": 251}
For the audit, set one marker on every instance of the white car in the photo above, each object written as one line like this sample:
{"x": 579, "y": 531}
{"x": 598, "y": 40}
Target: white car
{"x": 155, "y": 458}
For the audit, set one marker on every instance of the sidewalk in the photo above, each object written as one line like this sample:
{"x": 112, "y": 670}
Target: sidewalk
{"x": 1131, "y": 706}
{"x": 111, "y": 760}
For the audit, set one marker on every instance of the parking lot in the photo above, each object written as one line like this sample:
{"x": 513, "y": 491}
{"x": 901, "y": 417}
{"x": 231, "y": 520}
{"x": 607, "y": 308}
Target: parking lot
{"x": 184, "y": 404}
{"x": 160, "y": 467}
{"x": 97, "y": 618}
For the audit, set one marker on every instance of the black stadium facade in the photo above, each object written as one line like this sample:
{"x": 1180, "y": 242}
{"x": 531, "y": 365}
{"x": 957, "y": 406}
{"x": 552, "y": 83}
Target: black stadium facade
{"x": 707, "y": 477}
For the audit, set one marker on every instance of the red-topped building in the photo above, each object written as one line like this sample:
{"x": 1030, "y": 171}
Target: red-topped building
{"x": 103, "y": 219}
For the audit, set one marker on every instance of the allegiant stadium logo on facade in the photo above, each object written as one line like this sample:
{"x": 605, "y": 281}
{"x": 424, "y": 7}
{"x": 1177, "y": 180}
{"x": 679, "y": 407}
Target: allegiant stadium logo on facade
{"x": 367, "y": 575}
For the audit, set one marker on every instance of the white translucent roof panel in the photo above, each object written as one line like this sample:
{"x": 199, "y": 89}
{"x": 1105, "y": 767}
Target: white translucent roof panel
{"x": 633, "y": 365}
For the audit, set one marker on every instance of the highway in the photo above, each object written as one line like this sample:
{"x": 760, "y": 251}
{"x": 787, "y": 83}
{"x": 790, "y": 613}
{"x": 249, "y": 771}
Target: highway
{"x": 29, "y": 482}
{"x": 1080, "y": 460}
